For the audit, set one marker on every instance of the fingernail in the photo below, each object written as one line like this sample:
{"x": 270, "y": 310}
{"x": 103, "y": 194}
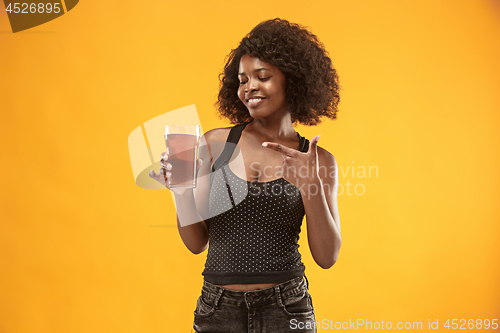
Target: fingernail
{"x": 264, "y": 144}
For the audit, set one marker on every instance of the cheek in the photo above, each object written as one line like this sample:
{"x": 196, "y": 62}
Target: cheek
{"x": 241, "y": 94}
{"x": 280, "y": 93}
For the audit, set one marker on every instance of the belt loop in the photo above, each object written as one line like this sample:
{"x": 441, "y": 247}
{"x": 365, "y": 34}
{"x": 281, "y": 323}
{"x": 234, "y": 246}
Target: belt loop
{"x": 307, "y": 281}
{"x": 278, "y": 296}
{"x": 217, "y": 297}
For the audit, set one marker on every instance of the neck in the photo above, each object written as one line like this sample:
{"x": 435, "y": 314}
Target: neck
{"x": 271, "y": 129}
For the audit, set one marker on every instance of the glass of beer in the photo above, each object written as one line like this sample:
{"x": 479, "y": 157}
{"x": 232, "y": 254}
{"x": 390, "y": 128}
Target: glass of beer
{"x": 182, "y": 149}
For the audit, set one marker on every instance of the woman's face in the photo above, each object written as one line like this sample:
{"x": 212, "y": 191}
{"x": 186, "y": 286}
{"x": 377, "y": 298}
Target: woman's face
{"x": 262, "y": 87}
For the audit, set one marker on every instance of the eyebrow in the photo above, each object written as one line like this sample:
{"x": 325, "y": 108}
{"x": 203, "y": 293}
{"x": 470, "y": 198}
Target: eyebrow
{"x": 257, "y": 70}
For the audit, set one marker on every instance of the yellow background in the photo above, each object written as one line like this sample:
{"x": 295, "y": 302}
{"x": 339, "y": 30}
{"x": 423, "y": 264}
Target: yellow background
{"x": 83, "y": 249}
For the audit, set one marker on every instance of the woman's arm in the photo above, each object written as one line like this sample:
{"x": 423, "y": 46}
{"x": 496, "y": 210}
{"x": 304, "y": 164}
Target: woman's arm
{"x": 318, "y": 187}
{"x": 322, "y": 213}
{"x": 192, "y": 228}
{"x": 191, "y": 204}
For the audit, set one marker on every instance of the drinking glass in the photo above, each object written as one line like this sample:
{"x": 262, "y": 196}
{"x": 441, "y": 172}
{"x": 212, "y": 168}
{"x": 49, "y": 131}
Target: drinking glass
{"x": 182, "y": 149}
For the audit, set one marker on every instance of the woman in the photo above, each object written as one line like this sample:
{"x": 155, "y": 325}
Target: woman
{"x": 279, "y": 75}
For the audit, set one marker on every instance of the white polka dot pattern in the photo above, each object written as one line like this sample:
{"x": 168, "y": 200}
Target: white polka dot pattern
{"x": 259, "y": 235}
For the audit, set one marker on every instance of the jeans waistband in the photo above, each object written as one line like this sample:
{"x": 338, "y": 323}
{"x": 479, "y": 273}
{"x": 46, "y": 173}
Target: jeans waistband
{"x": 218, "y": 295}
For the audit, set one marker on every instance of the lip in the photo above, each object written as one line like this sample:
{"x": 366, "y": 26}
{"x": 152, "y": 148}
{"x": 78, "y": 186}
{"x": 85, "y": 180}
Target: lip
{"x": 255, "y": 103}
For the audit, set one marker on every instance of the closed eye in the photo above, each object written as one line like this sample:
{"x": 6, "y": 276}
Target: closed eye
{"x": 263, "y": 79}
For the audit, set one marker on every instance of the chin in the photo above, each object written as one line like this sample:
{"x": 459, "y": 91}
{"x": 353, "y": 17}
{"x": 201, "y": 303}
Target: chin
{"x": 257, "y": 114}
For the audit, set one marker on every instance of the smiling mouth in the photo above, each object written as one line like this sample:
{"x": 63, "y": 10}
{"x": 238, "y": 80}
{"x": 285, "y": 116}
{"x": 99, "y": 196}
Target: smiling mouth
{"x": 253, "y": 102}
{"x": 254, "y": 99}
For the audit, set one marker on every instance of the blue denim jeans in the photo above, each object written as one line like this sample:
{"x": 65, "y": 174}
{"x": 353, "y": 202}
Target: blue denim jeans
{"x": 286, "y": 307}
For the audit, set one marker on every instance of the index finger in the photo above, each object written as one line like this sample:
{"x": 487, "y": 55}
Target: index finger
{"x": 280, "y": 148}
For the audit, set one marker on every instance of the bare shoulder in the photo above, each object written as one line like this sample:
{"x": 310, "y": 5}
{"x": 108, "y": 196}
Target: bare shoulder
{"x": 325, "y": 156}
{"x": 217, "y": 134}
{"x": 327, "y": 163}
{"x": 214, "y": 140}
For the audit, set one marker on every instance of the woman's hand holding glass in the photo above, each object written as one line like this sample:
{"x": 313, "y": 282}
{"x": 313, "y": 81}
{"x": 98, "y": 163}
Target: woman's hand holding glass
{"x": 166, "y": 173}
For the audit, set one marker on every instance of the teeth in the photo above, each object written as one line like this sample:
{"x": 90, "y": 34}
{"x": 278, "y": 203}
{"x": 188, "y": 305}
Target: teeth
{"x": 254, "y": 100}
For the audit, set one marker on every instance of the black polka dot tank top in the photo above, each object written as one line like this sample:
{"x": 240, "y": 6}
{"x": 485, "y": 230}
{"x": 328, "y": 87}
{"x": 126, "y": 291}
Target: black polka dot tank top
{"x": 255, "y": 226}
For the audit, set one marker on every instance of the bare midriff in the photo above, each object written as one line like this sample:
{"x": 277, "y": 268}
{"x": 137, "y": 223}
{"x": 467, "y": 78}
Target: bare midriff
{"x": 248, "y": 287}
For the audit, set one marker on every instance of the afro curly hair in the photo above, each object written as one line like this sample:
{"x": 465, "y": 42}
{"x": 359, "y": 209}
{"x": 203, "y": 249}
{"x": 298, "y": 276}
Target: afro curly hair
{"x": 312, "y": 81}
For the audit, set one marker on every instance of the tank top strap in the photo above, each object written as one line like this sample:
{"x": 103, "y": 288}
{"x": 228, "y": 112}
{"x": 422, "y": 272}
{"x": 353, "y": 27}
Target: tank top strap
{"x": 232, "y": 141}
{"x": 303, "y": 144}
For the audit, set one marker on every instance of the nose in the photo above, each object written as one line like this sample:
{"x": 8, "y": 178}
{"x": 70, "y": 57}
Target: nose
{"x": 252, "y": 85}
